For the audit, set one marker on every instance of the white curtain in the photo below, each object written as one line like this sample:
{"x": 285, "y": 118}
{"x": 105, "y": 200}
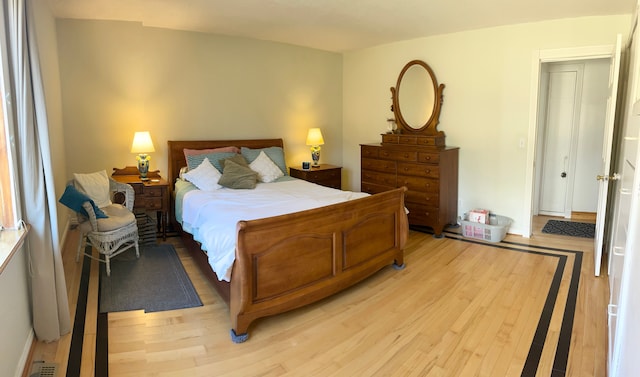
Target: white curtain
{"x": 37, "y": 197}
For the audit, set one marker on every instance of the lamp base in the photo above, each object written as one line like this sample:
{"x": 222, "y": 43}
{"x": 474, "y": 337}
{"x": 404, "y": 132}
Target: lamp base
{"x": 143, "y": 166}
{"x": 315, "y": 156}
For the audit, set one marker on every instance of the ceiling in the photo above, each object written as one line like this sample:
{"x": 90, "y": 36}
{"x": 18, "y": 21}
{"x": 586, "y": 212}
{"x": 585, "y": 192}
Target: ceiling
{"x": 334, "y": 25}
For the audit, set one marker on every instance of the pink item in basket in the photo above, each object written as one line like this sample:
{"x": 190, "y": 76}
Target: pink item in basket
{"x": 479, "y": 216}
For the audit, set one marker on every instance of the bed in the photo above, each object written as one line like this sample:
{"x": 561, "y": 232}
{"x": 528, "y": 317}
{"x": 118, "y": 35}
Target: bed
{"x": 288, "y": 261}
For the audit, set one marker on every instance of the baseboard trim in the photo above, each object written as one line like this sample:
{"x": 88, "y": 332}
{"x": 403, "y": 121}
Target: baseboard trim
{"x": 24, "y": 364}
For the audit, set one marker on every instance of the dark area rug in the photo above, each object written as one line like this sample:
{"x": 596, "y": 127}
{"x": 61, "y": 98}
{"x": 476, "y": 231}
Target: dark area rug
{"x": 155, "y": 282}
{"x": 570, "y": 228}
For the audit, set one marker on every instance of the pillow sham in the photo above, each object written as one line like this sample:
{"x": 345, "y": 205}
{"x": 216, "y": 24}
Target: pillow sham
{"x": 195, "y": 152}
{"x": 236, "y": 176}
{"x": 276, "y": 154}
{"x": 73, "y": 199}
{"x": 214, "y": 158}
{"x": 267, "y": 170}
{"x": 96, "y": 186}
{"x": 205, "y": 176}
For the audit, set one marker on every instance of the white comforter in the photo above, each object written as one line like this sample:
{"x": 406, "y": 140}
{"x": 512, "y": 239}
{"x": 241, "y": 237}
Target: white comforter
{"x": 212, "y": 216}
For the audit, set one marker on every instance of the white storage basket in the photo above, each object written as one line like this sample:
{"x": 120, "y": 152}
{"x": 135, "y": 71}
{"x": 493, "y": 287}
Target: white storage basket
{"x": 486, "y": 232}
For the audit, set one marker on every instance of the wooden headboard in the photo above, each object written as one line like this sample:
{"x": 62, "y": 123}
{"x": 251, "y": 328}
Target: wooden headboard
{"x": 176, "y": 151}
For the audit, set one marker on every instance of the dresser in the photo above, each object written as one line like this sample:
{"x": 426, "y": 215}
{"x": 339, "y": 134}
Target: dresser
{"x": 429, "y": 173}
{"x": 413, "y": 152}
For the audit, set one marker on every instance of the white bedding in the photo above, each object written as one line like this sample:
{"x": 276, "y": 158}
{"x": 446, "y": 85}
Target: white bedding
{"x": 211, "y": 217}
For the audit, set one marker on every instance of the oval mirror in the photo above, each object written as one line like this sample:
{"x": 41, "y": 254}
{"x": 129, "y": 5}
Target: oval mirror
{"x": 416, "y": 96}
{"x": 417, "y": 99}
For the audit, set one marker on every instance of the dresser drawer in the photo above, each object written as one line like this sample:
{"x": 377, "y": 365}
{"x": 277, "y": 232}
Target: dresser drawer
{"x": 384, "y": 166}
{"x": 398, "y": 155}
{"x": 421, "y": 214}
{"x": 419, "y": 197}
{"x": 399, "y": 139}
{"x": 418, "y": 183}
{"x": 369, "y": 151}
{"x": 384, "y": 179}
{"x": 432, "y": 158}
{"x": 421, "y": 170}
{"x": 372, "y": 188}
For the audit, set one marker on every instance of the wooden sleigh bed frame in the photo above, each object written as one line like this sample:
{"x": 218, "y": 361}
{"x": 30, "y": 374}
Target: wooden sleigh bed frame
{"x": 289, "y": 261}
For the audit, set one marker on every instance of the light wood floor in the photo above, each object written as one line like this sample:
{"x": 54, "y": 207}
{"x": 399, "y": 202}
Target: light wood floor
{"x": 458, "y": 309}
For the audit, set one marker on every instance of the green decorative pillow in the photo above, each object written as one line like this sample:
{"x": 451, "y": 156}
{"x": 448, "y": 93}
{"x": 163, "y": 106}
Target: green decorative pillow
{"x": 238, "y": 159}
{"x": 236, "y": 176}
{"x": 74, "y": 199}
{"x": 276, "y": 154}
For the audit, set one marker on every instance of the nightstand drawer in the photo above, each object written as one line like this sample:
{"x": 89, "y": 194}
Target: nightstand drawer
{"x": 326, "y": 175}
{"x": 153, "y": 191}
{"x": 149, "y": 203}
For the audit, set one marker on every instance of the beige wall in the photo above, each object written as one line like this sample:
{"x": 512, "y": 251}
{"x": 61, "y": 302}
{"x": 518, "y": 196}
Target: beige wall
{"x": 487, "y": 74}
{"x": 121, "y": 77}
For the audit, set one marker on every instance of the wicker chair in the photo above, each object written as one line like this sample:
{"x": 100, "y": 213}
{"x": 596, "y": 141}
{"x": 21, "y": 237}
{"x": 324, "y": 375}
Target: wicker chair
{"x": 113, "y": 235}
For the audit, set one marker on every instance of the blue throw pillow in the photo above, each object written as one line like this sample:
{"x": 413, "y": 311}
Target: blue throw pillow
{"x": 73, "y": 199}
{"x": 276, "y": 154}
{"x": 215, "y": 159}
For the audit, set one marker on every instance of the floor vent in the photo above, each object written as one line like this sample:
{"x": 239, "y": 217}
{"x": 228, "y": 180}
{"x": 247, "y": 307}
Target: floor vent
{"x": 42, "y": 369}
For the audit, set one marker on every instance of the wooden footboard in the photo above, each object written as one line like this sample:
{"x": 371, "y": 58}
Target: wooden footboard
{"x": 288, "y": 261}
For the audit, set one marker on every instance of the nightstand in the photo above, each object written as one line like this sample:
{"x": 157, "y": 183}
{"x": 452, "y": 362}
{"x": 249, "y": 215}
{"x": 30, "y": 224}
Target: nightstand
{"x": 325, "y": 175}
{"x": 151, "y": 195}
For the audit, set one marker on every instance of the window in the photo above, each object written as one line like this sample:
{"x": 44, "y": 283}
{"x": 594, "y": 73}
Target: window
{"x": 7, "y": 202}
{"x": 8, "y": 213}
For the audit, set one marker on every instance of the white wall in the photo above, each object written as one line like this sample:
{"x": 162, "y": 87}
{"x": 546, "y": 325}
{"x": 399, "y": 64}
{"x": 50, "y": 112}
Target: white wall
{"x": 121, "y": 77}
{"x": 487, "y": 74}
{"x": 15, "y": 315}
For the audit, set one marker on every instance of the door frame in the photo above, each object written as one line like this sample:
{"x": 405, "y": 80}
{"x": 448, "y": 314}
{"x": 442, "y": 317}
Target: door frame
{"x": 538, "y": 58}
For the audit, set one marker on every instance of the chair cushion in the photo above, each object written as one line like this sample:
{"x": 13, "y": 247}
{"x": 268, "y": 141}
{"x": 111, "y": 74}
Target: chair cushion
{"x": 96, "y": 186}
{"x": 119, "y": 216}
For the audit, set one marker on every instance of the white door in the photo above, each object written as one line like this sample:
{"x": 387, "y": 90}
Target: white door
{"x": 604, "y": 178}
{"x": 562, "y": 120}
{"x": 624, "y": 264}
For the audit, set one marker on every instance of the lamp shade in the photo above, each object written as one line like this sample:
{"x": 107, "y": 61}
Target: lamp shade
{"x": 314, "y": 137}
{"x": 142, "y": 143}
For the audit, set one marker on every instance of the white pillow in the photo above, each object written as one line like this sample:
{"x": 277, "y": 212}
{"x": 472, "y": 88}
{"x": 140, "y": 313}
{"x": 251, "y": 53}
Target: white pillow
{"x": 205, "y": 176}
{"x": 267, "y": 170}
{"x": 96, "y": 186}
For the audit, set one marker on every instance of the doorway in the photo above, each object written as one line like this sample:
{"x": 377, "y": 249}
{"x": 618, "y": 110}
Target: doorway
{"x": 571, "y": 123}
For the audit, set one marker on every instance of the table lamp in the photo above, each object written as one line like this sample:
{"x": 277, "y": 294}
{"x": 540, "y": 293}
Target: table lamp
{"x": 315, "y": 140}
{"x": 142, "y": 145}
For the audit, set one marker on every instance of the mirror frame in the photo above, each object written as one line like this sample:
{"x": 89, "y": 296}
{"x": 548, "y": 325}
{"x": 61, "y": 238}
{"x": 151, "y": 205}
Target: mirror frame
{"x": 430, "y": 127}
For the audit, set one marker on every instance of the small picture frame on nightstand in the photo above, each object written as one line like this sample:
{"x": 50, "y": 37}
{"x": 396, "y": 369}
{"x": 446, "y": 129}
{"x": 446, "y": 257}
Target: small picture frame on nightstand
{"x": 306, "y": 165}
